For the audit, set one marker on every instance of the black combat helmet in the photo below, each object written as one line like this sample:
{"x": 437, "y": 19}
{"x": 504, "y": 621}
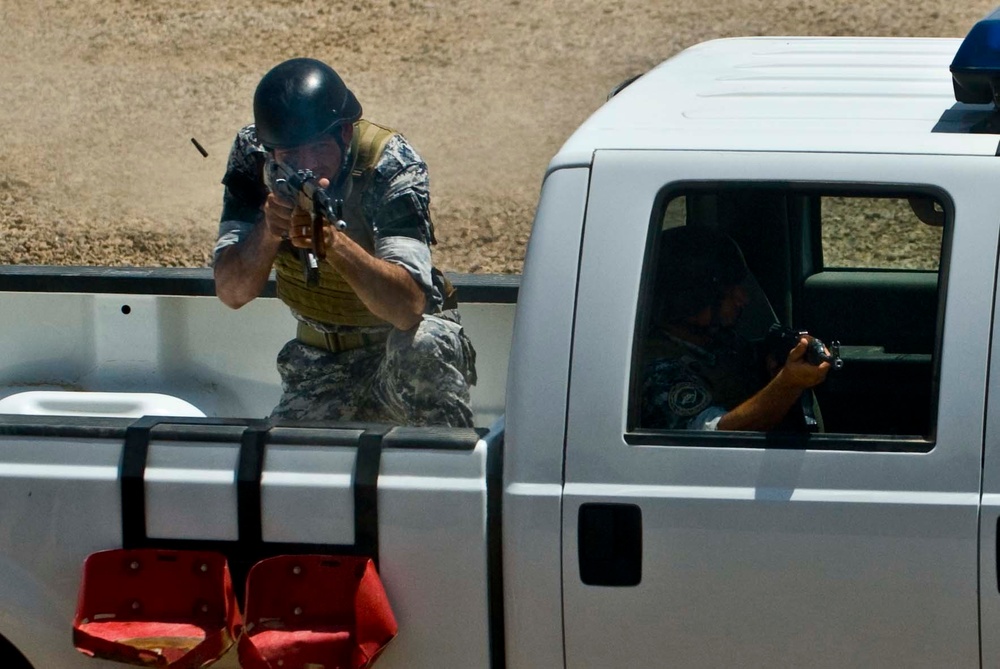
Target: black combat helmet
{"x": 298, "y": 101}
{"x": 696, "y": 268}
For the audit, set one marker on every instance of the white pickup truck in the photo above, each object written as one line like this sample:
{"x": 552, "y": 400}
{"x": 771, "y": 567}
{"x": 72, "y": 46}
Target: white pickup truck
{"x": 564, "y": 532}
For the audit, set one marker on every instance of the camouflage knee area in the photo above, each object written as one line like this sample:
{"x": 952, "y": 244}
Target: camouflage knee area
{"x": 426, "y": 374}
{"x": 322, "y": 386}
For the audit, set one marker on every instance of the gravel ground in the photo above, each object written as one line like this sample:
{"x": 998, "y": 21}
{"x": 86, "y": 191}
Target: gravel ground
{"x": 101, "y": 98}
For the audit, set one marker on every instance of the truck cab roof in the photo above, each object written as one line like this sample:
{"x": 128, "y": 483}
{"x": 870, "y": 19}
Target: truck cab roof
{"x": 801, "y": 94}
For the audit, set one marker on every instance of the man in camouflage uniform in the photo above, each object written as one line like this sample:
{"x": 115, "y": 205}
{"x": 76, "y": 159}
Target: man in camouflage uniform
{"x": 699, "y": 373}
{"x": 378, "y": 336}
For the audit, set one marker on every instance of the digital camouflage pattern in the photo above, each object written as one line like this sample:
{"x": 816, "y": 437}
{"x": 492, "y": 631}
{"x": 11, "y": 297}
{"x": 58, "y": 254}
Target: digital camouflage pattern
{"x": 417, "y": 377}
{"x": 686, "y": 387}
{"x": 395, "y": 206}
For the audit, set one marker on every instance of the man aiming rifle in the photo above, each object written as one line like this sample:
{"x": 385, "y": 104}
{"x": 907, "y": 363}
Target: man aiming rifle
{"x": 378, "y": 336}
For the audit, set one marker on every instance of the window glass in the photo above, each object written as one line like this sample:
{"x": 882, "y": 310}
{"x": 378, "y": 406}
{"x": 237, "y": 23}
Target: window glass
{"x": 879, "y": 233}
{"x": 675, "y": 213}
{"x": 735, "y": 275}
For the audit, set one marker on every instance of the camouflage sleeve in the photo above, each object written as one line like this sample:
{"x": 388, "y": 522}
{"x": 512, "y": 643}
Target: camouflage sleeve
{"x": 244, "y": 192}
{"x": 398, "y": 200}
{"x": 398, "y": 204}
{"x": 672, "y": 398}
{"x": 415, "y": 257}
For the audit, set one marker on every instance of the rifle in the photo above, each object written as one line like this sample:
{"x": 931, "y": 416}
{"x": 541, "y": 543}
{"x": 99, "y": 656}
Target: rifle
{"x": 302, "y": 187}
{"x": 781, "y": 340}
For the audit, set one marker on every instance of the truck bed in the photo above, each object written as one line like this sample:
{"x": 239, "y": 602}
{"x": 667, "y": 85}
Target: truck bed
{"x": 422, "y": 501}
{"x": 164, "y": 331}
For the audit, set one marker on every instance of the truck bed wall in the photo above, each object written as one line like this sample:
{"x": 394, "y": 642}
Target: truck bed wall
{"x": 164, "y": 331}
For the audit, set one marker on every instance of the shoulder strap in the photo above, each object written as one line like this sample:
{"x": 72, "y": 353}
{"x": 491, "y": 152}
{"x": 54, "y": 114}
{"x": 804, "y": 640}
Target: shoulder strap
{"x": 367, "y": 145}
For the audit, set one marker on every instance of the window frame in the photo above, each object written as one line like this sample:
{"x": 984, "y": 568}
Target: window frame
{"x": 812, "y": 253}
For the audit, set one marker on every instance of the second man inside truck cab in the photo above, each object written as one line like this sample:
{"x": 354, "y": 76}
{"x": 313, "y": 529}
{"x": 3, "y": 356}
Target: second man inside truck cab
{"x": 699, "y": 373}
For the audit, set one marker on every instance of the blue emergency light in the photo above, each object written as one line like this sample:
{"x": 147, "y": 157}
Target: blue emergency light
{"x": 975, "y": 71}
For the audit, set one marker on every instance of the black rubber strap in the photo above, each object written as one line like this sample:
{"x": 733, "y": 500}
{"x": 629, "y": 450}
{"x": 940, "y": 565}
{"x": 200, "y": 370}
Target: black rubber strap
{"x": 131, "y": 474}
{"x": 132, "y": 469}
{"x": 366, "y": 473}
{"x": 494, "y": 545}
{"x": 248, "y": 478}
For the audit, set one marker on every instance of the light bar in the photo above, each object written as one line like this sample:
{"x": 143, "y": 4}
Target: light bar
{"x": 975, "y": 71}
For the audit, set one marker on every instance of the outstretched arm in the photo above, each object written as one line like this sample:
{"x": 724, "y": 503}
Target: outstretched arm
{"x": 765, "y": 410}
{"x": 386, "y": 289}
{"x": 242, "y": 269}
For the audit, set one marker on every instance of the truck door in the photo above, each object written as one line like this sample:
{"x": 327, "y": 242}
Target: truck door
{"x": 836, "y": 547}
{"x": 990, "y": 515}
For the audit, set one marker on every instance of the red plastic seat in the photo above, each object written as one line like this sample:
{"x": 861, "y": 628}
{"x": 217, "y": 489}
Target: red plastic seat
{"x": 313, "y": 612}
{"x": 158, "y": 608}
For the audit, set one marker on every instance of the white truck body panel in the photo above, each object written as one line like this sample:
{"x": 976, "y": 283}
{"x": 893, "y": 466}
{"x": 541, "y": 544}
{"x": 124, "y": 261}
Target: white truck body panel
{"x": 534, "y": 437}
{"x": 62, "y": 502}
{"x": 822, "y": 557}
{"x": 989, "y": 513}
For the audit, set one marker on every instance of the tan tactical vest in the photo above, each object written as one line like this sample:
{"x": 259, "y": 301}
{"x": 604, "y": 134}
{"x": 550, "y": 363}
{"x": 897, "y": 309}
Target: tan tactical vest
{"x": 333, "y": 301}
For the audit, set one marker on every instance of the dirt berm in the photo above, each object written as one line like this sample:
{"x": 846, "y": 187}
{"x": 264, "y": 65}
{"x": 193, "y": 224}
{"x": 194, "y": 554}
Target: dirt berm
{"x": 102, "y": 97}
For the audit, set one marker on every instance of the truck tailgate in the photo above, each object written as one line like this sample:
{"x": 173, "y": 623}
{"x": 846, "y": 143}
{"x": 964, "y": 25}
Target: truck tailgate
{"x": 415, "y": 499}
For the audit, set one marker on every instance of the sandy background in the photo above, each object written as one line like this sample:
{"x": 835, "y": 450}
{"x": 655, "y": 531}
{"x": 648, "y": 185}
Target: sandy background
{"x": 101, "y": 99}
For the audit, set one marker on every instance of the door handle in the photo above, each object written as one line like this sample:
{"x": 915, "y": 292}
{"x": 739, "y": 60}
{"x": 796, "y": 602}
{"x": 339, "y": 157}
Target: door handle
{"x": 609, "y": 542}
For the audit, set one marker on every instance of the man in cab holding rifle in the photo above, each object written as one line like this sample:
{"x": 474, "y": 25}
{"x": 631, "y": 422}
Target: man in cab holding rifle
{"x": 700, "y": 373}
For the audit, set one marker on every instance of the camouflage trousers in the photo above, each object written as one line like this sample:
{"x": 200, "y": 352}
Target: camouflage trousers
{"x": 417, "y": 377}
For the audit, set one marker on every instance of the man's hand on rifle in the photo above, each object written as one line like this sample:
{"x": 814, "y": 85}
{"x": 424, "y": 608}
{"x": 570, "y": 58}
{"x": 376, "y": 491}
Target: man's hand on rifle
{"x": 278, "y": 216}
{"x": 801, "y": 373}
{"x": 287, "y": 220}
{"x": 300, "y": 233}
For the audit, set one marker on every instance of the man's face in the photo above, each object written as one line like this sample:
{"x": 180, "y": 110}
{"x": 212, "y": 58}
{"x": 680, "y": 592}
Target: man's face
{"x": 729, "y": 311}
{"x": 732, "y": 306}
{"x": 322, "y": 157}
